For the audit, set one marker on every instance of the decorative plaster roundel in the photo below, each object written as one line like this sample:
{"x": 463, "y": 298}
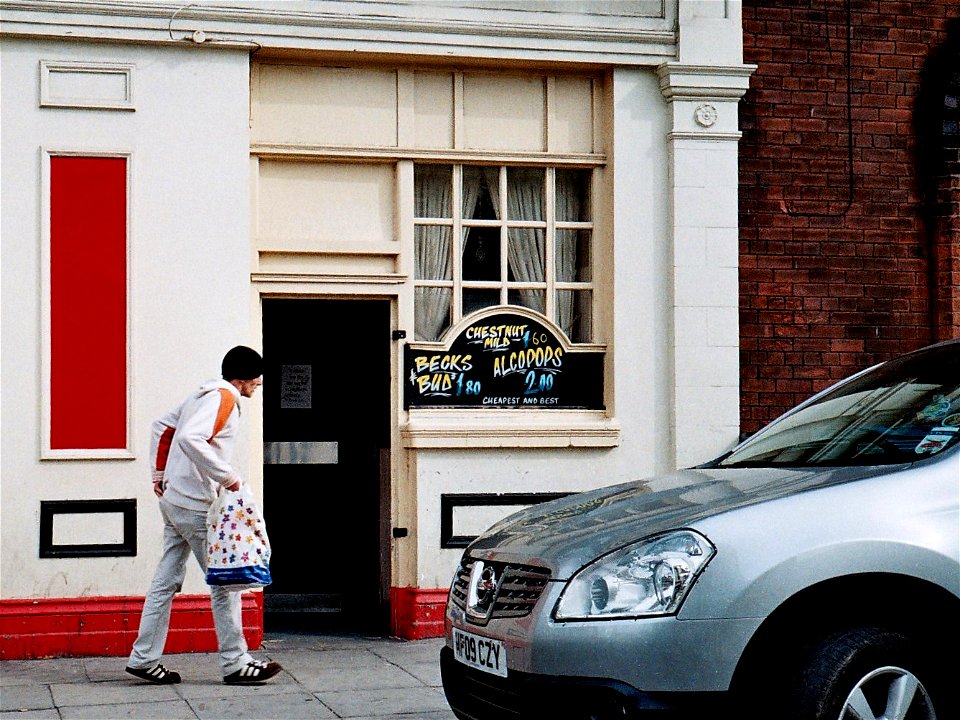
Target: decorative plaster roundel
{"x": 706, "y": 115}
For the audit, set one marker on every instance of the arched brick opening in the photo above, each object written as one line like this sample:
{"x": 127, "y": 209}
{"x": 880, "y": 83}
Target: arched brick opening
{"x": 937, "y": 122}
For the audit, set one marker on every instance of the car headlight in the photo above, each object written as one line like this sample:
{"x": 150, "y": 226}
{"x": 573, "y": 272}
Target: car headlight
{"x": 650, "y": 577}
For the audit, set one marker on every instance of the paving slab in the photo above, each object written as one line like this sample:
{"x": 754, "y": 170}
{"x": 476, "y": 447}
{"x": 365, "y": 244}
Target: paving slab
{"x": 25, "y": 697}
{"x": 51, "y": 714}
{"x": 419, "y": 715}
{"x": 339, "y": 679}
{"x": 426, "y": 672}
{"x": 164, "y": 710}
{"x": 385, "y": 702}
{"x": 289, "y": 706}
{"x": 44, "y": 671}
{"x": 113, "y": 692}
{"x": 219, "y": 691}
{"x": 358, "y": 659}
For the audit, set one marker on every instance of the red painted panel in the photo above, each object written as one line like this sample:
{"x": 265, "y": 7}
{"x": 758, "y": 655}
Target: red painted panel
{"x": 88, "y": 303}
{"x": 417, "y": 613}
{"x": 74, "y": 627}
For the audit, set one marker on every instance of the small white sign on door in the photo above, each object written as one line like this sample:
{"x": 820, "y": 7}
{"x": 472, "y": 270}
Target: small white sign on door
{"x": 296, "y": 386}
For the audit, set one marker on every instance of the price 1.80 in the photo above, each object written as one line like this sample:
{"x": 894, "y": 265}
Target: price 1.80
{"x": 467, "y": 387}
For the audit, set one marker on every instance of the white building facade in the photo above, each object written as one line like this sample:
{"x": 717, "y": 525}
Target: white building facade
{"x": 488, "y": 250}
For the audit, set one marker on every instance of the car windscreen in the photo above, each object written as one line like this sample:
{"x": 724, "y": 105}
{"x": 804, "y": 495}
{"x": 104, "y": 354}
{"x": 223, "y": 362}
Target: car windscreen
{"x": 899, "y": 412}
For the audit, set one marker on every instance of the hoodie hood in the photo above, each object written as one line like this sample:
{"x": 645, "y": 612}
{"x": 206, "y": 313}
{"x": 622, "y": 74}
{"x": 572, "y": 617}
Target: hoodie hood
{"x": 217, "y": 384}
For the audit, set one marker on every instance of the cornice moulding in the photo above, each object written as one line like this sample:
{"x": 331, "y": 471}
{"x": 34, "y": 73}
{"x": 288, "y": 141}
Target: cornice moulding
{"x": 692, "y": 135}
{"x": 281, "y": 151}
{"x": 703, "y": 81}
{"x": 636, "y": 40}
{"x": 328, "y": 278}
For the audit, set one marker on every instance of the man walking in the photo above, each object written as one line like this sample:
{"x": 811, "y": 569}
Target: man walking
{"x": 190, "y": 450}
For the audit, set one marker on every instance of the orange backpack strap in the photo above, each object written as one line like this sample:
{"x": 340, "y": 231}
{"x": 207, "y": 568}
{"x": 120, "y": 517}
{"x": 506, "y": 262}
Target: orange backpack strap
{"x": 227, "y": 403}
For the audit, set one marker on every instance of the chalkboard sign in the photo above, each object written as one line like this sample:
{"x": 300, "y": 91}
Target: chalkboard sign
{"x": 504, "y": 359}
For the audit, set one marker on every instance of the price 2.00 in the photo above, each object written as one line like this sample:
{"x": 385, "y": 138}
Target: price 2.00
{"x": 537, "y": 382}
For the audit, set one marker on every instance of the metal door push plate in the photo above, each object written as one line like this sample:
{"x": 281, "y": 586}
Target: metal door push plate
{"x": 300, "y": 453}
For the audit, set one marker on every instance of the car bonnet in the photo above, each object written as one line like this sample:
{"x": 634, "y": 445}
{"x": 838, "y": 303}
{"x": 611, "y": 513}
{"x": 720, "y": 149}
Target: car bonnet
{"x": 566, "y": 534}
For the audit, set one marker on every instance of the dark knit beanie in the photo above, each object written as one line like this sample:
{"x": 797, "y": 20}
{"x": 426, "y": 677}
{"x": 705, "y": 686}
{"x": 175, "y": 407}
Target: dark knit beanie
{"x": 242, "y": 363}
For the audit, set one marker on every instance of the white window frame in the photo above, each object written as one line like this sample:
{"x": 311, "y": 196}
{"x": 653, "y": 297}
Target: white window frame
{"x": 122, "y": 70}
{"x": 46, "y": 451}
{"x": 550, "y": 225}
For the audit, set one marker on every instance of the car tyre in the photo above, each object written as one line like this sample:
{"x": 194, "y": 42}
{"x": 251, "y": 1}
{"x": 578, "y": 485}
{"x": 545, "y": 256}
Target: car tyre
{"x": 866, "y": 674}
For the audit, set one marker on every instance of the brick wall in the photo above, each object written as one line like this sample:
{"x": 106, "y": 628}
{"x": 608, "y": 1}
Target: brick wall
{"x": 835, "y": 254}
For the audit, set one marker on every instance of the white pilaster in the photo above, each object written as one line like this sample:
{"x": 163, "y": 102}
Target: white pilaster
{"x": 703, "y": 181}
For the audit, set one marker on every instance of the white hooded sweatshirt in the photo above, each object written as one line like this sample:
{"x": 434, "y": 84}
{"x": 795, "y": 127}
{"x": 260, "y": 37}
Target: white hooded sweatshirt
{"x": 190, "y": 446}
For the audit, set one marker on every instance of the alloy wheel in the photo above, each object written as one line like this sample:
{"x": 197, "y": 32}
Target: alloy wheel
{"x": 888, "y": 693}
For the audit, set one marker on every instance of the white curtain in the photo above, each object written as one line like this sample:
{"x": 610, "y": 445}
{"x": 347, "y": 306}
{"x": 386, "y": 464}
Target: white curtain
{"x": 565, "y": 250}
{"x": 525, "y": 246}
{"x": 432, "y": 199}
{"x": 472, "y": 183}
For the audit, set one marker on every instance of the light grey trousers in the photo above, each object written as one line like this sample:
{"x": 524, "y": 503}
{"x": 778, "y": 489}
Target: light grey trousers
{"x": 185, "y": 531}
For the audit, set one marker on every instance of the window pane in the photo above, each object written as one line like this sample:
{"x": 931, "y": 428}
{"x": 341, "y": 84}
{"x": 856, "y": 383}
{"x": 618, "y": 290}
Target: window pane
{"x": 526, "y": 259}
{"x": 481, "y": 191}
{"x": 474, "y": 299}
{"x": 481, "y": 254}
{"x": 432, "y": 188}
{"x": 525, "y": 190}
{"x": 431, "y": 311}
{"x": 574, "y": 314}
{"x": 533, "y": 299}
{"x": 432, "y": 252}
{"x": 572, "y": 256}
{"x": 573, "y": 195}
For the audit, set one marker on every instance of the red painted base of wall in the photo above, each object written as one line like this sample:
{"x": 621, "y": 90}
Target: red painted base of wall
{"x": 71, "y": 627}
{"x": 74, "y": 627}
{"x": 417, "y": 613}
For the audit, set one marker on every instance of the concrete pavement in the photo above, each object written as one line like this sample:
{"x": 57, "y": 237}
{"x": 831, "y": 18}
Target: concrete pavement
{"x": 324, "y": 676}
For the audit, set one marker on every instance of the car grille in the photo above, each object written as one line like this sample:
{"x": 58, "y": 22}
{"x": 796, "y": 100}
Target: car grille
{"x": 520, "y": 588}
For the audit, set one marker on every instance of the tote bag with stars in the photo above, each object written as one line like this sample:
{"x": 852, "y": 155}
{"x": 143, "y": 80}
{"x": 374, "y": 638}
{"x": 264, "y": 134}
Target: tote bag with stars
{"x": 238, "y": 550}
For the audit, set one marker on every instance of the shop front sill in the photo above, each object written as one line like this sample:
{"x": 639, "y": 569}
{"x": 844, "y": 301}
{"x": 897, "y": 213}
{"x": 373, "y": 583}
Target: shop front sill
{"x": 509, "y": 428}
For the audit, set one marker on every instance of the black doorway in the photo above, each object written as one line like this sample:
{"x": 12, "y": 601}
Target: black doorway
{"x": 326, "y": 432}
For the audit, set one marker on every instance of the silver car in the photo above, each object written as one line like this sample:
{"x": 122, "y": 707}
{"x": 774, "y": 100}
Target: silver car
{"x": 811, "y": 573}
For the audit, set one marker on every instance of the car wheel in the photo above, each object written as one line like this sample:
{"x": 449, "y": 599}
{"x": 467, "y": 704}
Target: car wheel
{"x": 865, "y": 674}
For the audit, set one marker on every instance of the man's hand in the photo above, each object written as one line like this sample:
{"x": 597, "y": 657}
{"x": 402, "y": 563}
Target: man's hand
{"x": 158, "y": 483}
{"x": 234, "y": 487}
